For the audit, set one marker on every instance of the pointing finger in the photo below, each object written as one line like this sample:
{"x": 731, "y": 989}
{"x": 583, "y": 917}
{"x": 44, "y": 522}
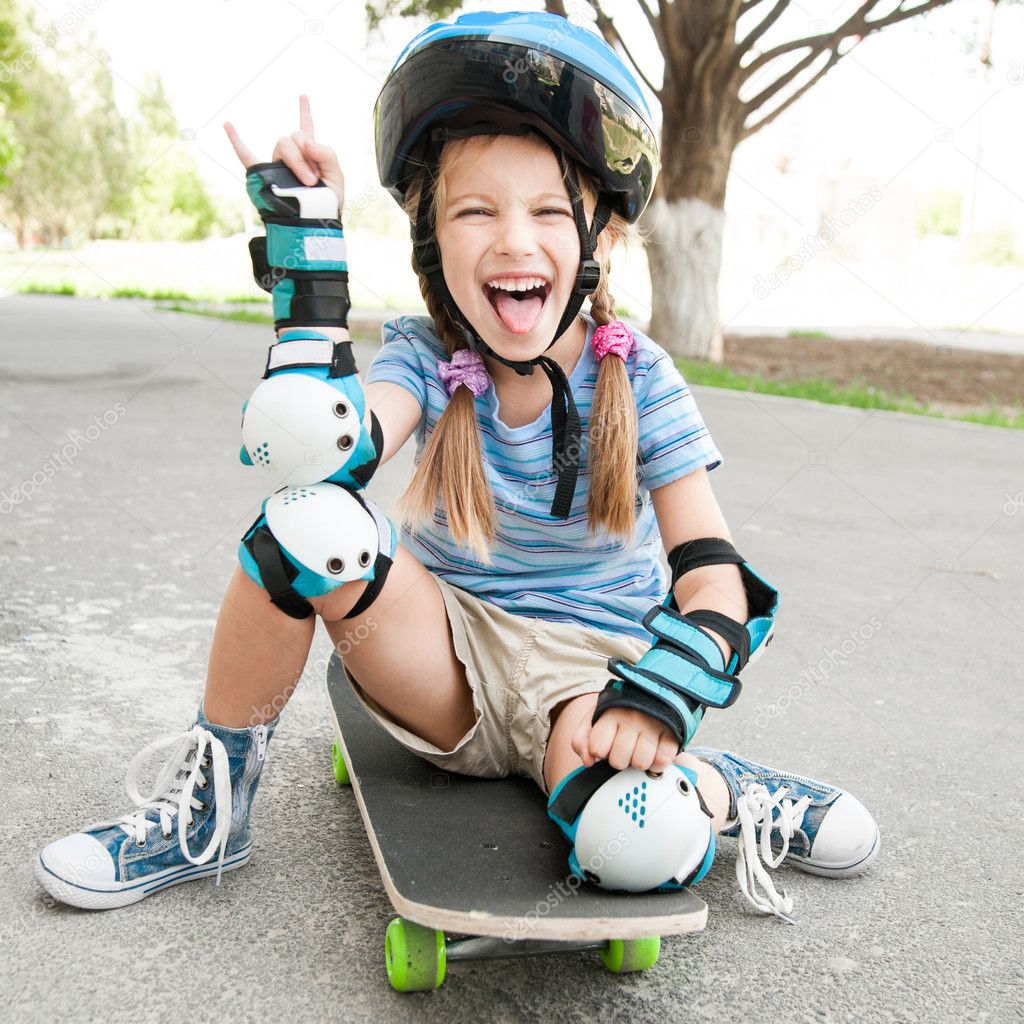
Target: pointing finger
{"x": 305, "y": 116}
{"x": 242, "y": 151}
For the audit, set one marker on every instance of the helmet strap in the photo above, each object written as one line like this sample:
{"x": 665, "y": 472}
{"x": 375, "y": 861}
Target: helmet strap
{"x": 565, "y": 419}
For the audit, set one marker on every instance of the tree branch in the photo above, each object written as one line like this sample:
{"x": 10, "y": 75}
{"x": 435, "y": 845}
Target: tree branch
{"x": 711, "y": 52}
{"x": 783, "y": 80}
{"x": 611, "y": 34}
{"x": 654, "y": 20}
{"x": 759, "y": 30}
{"x": 820, "y": 73}
{"x": 856, "y": 24}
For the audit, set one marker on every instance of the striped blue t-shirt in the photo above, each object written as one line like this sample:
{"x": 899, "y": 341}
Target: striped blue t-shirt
{"x": 544, "y": 567}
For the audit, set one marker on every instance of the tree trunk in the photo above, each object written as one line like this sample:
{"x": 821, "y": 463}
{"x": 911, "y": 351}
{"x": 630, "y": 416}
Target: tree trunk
{"x": 686, "y": 218}
{"x": 685, "y": 255}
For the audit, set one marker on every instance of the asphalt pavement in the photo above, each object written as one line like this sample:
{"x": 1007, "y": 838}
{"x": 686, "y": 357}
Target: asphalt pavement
{"x": 896, "y": 542}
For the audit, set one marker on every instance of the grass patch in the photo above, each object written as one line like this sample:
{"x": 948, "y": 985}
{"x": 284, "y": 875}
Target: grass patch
{"x": 813, "y": 335}
{"x": 158, "y": 294}
{"x": 153, "y": 294}
{"x": 64, "y": 288}
{"x": 995, "y": 418}
{"x": 714, "y": 375}
{"x": 245, "y": 316}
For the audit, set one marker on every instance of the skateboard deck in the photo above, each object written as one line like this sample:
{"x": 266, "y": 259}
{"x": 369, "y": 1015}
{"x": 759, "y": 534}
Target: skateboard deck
{"x": 460, "y": 855}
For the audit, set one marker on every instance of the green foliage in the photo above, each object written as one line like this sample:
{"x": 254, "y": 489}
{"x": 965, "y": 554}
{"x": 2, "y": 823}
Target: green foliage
{"x": 168, "y": 200}
{"x": 433, "y": 10}
{"x": 47, "y": 189}
{"x": 71, "y": 167}
{"x": 995, "y": 246}
{"x": 12, "y": 94}
{"x": 10, "y": 153}
{"x": 938, "y": 212}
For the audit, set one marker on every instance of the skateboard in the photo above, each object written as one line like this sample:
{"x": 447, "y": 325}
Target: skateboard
{"x": 475, "y": 868}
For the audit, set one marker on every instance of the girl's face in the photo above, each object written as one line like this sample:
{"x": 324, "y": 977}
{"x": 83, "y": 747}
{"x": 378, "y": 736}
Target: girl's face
{"x": 506, "y": 226}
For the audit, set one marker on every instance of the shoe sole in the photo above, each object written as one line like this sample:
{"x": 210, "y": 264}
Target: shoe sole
{"x": 119, "y": 894}
{"x": 841, "y": 870}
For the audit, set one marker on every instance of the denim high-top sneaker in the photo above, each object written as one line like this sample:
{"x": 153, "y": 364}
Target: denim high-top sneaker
{"x": 175, "y": 832}
{"x": 813, "y": 826}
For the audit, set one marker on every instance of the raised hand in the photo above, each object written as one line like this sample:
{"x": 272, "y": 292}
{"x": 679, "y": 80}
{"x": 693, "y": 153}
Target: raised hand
{"x": 310, "y": 161}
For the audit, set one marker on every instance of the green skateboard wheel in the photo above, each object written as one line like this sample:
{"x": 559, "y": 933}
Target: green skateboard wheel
{"x": 623, "y": 955}
{"x": 340, "y": 768}
{"x": 414, "y": 956}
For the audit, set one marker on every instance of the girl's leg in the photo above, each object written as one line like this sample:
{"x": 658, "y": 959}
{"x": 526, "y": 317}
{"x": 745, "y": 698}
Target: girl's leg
{"x": 561, "y": 759}
{"x": 406, "y": 662}
{"x": 401, "y": 653}
{"x": 257, "y": 656}
{"x": 404, "y": 656}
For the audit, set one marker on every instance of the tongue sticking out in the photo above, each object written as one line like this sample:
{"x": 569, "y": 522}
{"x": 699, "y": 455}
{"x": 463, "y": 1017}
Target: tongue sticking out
{"x": 518, "y": 315}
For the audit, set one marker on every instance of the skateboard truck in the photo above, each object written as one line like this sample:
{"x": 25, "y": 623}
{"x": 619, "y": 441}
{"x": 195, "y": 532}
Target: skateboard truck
{"x": 416, "y": 957}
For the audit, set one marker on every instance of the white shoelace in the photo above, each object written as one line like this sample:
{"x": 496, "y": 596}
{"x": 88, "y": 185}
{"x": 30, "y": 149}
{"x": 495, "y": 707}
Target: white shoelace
{"x": 756, "y": 806}
{"x": 174, "y": 795}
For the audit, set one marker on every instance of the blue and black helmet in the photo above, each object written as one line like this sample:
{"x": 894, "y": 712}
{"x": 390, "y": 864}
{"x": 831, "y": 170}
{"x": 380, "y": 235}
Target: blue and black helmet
{"x": 513, "y": 73}
{"x": 520, "y": 68}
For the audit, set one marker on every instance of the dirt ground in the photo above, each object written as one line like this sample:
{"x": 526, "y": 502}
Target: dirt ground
{"x": 950, "y": 380}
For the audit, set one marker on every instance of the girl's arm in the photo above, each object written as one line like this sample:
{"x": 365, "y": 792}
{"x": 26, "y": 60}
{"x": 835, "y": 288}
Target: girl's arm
{"x": 687, "y": 509}
{"x": 397, "y": 412}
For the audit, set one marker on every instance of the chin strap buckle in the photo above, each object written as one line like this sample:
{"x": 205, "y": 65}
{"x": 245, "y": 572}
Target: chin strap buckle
{"x": 428, "y": 259}
{"x": 588, "y": 277}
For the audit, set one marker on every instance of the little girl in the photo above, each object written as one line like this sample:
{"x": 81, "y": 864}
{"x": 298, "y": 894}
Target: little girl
{"x": 522, "y": 151}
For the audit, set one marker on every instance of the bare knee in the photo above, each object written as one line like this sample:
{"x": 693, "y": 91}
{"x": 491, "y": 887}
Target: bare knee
{"x": 336, "y": 605}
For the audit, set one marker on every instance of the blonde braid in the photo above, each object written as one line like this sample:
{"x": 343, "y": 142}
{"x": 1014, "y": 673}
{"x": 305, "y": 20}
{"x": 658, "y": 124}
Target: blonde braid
{"x": 613, "y": 432}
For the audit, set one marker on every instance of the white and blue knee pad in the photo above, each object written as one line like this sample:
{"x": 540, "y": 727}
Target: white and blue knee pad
{"x": 633, "y": 830}
{"x": 308, "y": 541}
{"x": 307, "y": 420}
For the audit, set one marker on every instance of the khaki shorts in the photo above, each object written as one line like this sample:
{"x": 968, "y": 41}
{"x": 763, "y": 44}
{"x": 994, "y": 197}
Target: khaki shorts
{"x": 518, "y": 669}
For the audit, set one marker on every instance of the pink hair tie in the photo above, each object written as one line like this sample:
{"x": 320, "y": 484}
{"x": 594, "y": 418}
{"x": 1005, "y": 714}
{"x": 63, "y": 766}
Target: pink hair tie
{"x": 466, "y": 367}
{"x": 613, "y": 338}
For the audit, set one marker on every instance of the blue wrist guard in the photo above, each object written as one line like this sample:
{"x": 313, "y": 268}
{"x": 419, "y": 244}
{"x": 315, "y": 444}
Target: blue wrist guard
{"x": 684, "y": 672}
{"x": 301, "y": 261}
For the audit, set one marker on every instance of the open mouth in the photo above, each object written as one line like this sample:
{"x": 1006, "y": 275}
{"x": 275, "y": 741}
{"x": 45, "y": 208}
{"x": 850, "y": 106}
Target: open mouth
{"x": 518, "y": 310}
